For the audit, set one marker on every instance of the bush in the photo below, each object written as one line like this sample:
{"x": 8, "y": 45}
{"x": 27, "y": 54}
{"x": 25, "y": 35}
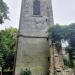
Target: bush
{"x": 66, "y": 63}
{"x": 25, "y": 72}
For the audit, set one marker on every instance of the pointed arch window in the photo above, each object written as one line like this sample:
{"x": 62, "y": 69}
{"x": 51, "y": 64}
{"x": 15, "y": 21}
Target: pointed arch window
{"x": 36, "y": 7}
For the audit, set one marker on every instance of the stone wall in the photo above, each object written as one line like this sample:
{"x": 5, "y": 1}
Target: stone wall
{"x": 32, "y": 25}
{"x": 33, "y": 54}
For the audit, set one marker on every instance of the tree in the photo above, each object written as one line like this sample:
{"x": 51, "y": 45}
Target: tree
{"x": 7, "y": 47}
{"x": 3, "y": 11}
{"x": 55, "y": 35}
{"x": 71, "y": 40}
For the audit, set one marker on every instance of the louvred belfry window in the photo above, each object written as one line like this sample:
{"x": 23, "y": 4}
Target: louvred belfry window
{"x": 36, "y": 7}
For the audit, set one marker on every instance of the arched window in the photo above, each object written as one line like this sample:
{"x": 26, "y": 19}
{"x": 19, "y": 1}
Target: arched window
{"x": 36, "y": 7}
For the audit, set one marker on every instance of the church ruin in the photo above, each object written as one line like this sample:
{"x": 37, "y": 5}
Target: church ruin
{"x": 33, "y": 46}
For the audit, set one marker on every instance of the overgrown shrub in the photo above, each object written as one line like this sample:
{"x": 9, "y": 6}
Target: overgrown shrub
{"x": 25, "y": 72}
{"x": 66, "y": 63}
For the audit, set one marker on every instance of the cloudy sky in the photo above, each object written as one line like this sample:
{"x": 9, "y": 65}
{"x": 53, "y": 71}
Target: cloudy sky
{"x": 63, "y": 11}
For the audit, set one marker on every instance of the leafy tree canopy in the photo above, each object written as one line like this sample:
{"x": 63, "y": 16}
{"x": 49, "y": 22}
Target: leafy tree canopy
{"x": 7, "y": 47}
{"x": 3, "y": 11}
{"x": 57, "y": 33}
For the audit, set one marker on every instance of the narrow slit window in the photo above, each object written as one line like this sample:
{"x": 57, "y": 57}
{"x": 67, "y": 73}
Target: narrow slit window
{"x": 36, "y": 7}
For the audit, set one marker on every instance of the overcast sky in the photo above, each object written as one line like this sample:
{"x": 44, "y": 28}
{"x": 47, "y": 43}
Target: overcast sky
{"x": 63, "y": 11}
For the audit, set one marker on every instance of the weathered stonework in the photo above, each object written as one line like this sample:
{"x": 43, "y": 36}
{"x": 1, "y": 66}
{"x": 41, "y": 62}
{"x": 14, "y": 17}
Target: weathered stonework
{"x": 31, "y": 25}
{"x": 33, "y": 47}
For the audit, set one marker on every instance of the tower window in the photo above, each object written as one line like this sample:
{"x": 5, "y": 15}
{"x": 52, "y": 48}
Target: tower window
{"x": 36, "y": 7}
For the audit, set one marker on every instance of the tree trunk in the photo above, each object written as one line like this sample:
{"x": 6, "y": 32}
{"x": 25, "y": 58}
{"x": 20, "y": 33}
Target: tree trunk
{"x": 2, "y": 70}
{"x": 74, "y": 70}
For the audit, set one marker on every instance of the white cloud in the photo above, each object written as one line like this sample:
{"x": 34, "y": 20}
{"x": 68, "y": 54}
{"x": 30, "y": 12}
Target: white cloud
{"x": 64, "y": 12}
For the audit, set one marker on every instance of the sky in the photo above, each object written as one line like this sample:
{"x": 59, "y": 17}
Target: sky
{"x": 63, "y": 12}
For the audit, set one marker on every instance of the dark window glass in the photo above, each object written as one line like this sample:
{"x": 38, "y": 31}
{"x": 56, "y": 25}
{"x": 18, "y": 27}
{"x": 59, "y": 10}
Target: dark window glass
{"x": 36, "y": 7}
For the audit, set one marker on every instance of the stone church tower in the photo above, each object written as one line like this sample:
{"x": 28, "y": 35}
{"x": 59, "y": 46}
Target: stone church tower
{"x": 33, "y": 48}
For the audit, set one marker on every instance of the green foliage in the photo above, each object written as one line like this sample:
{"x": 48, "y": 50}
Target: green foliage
{"x": 66, "y": 63}
{"x": 25, "y": 72}
{"x": 70, "y": 35}
{"x": 57, "y": 33}
{"x": 62, "y": 32}
{"x": 3, "y": 11}
{"x": 7, "y": 47}
{"x": 71, "y": 52}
